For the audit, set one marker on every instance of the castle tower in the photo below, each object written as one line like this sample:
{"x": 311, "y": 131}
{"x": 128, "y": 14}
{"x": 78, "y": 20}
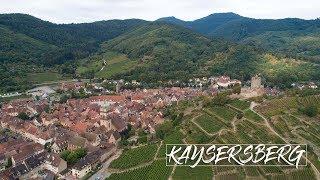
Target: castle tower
{"x": 256, "y": 82}
{"x": 118, "y": 88}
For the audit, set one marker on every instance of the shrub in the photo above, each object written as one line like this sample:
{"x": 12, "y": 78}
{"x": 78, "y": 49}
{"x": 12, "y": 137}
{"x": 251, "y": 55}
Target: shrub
{"x": 310, "y": 111}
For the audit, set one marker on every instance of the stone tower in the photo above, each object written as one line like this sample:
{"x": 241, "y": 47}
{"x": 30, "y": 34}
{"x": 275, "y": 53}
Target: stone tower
{"x": 256, "y": 82}
{"x": 118, "y": 87}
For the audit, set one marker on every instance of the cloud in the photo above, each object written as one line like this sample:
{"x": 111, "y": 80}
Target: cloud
{"x": 67, "y": 11}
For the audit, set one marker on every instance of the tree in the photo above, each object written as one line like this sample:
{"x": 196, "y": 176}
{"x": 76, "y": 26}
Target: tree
{"x": 64, "y": 98}
{"x": 23, "y": 116}
{"x": 65, "y": 154}
{"x": 310, "y": 111}
{"x": 163, "y": 129}
{"x": 240, "y": 115}
{"x": 9, "y": 163}
{"x": 221, "y": 99}
{"x": 236, "y": 89}
{"x": 73, "y": 156}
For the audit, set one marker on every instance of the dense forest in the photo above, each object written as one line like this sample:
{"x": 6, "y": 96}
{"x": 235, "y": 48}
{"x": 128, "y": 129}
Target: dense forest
{"x": 29, "y": 45}
{"x": 292, "y": 37}
{"x": 224, "y": 43}
{"x": 166, "y": 52}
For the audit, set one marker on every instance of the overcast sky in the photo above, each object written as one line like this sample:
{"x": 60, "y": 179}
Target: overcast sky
{"x": 68, "y": 11}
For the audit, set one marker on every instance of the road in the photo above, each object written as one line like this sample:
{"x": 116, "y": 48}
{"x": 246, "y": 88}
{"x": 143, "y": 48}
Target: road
{"x": 103, "y": 172}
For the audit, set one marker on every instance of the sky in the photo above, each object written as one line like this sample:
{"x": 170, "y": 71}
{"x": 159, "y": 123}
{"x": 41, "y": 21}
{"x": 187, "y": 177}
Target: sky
{"x": 77, "y": 11}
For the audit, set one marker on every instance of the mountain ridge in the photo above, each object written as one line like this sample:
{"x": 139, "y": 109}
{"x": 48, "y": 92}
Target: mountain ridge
{"x": 166, "y": 50}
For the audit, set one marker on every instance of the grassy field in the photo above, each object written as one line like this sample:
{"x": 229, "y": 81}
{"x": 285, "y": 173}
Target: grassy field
{"x": 134, "y": 157}
{"x": 194, "y": 134}
{"x": 284, "y": 125}
{"x": 45, "y": 77}
{"x": 115, "y": 63}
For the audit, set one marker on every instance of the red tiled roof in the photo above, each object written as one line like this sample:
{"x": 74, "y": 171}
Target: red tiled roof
{"x": 114, "y": 98}
{"x": 80, "y": 127}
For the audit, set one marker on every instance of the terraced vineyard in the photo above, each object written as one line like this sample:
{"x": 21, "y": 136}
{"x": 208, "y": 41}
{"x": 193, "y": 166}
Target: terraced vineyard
{"x": 210, "y": 124}
{"x": 157, "y": 170}
{"x": 134, "y": 157}
{"x": 224, "y": 112}
{"x": 276, "y": 121}
{"x": 200, "y": 172}
{"x": 174, "y": 138}
{"x": 242, "y": 105}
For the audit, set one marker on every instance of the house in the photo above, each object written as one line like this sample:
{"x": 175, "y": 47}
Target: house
{"x": 55, "y": 164}
{"x": 59, "y": 145}
{"x": 77, "y": 142}
{"x": 225, "y": 81}
{"x": 118, "y": 124}
{"x": 107, "y": 152}
{"x": 79, "y": 127}
{"x": 106, "y": 123}
{"x": 86, "y": 164}
{"x": 29, "y": 165}
{"x": 113, "y": 137}
{"x": 25, "y": 152}
{"x": 72, "y": 86}
{"x": 92, "y": 138}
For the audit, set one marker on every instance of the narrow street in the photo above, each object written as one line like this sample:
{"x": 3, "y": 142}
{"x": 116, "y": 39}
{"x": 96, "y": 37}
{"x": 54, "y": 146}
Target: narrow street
{"x": 103, "y": 172}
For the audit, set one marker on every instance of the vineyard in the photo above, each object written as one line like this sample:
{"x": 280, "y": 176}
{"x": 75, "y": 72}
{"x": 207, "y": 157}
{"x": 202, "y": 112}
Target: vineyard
{"x": 157, "y": 170}
{"x": 224, "y": 112}
{"x": 135, "y": 156}
{"x": 242, "y": 105}
{"x": 209, "y": 123}
{"x": 276, "y": 121}
{"x": 249, "y": 114}
{"x": 200, "y": 172}
{"x": 174, "y": 138}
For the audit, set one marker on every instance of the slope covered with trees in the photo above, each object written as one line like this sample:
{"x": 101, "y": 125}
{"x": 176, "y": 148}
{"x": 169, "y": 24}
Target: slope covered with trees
{"x": 162, "y": 52}
{"x": 29, "y": 45}
{"x": 166, "y": 51}
{"x": 158, "y": 51}
{"x": 74, "y": 40}
{"x": 291, "y": 37}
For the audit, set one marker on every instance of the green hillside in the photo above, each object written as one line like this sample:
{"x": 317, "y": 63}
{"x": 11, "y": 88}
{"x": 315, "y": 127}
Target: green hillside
{"x": 16, "y": 47}
{"x": 105, "y": 65}
{"x": 157, "y": 51}
{"x": 292, "y": 37}
{"x": 167, "y": 51}
{"x": 298, "y": 44}
{"x": 160, "y": 52}
{"x": 29, "y": 46}
{"x": 74, "y": 40}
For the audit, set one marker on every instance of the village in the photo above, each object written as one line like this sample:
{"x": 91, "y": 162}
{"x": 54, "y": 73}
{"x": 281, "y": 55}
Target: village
{"x": 44, "y": 137}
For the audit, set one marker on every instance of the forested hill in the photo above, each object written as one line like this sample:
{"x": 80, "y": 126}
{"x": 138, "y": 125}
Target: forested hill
{"x": 72, "y": 41}
{"x": 164, "y": 52}
{"x": 156, "y": 51}
{"x": 293, "y": 37}
{"x": 206, "y": 25}
{"x": 235, "y": 27}
{"x": 29, "y": 45}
